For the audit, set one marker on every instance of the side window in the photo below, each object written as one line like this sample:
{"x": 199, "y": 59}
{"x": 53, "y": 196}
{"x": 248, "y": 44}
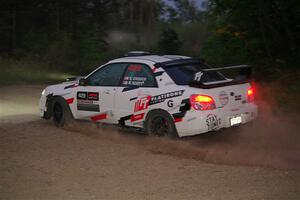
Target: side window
{"x": 138, "y": 75}
{"x": 109, "y": 75}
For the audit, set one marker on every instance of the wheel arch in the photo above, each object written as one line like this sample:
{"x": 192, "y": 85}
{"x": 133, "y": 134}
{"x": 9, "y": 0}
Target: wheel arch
{"x": 51, "y": 99}
{"x": 156, "y": 110}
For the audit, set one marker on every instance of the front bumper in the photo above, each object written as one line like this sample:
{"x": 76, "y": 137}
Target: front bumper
{"x": 42, "y": 105}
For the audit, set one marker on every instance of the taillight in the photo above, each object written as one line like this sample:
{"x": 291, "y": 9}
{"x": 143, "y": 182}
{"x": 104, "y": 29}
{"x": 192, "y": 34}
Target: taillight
{"x": 250, "y": 95}
{"x": 202, "y": 102}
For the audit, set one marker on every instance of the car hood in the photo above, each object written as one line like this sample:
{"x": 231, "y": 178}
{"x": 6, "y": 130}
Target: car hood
{"x": 61, "y": 89}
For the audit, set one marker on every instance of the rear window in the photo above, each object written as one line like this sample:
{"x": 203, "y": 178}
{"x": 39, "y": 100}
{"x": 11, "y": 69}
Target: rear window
{"x": 183, "y": 74}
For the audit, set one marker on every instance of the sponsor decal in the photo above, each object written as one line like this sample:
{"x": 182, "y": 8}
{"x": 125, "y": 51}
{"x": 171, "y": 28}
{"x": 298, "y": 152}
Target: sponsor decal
{"x": 88, "y": 107}
{"x": 142, "y": 104}
{"x": 93, "y": 96}
{"x": 85, "y": 101}
{"x": 135, "y": 68}
{"x": 223, "y": 97}
{"x": 238, "y": 97}
{"x": 170, "y": 103}
{"x": 198, "y": 76}
{"x": 212, "y": 122}
{"x": 162, "y": 97}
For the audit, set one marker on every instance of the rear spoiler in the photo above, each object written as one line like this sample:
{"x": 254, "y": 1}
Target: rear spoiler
{"x": 244, "y": 76}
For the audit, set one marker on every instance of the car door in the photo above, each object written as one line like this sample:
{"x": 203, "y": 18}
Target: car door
{"x": 96, "y": 100}
{"x": 134, "y": 95}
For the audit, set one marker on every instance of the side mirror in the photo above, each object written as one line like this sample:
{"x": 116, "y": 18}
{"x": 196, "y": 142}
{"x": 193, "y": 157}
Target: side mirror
{"x": 83, "y": 82}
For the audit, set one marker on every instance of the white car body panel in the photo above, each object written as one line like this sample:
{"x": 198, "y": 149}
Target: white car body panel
{"x": 111, "y": 104}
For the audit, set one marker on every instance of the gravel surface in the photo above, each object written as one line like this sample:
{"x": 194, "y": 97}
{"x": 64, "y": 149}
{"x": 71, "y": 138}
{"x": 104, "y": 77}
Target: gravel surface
{"x": 96, "y": 161}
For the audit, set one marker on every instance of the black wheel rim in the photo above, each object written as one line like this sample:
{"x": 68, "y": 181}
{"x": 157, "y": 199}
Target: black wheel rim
{"x": 159, "y": 126}
{"x": 58, "y": 112}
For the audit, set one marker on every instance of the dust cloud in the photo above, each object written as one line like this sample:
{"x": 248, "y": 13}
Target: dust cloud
{"x": 271, "y": 141}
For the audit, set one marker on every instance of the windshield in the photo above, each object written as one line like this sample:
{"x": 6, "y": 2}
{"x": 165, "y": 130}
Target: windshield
{"x": 184, "y": 74}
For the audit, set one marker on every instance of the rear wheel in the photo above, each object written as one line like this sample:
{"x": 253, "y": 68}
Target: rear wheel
{"x": 160, "y": 123}
{"x": 61, "y": 112}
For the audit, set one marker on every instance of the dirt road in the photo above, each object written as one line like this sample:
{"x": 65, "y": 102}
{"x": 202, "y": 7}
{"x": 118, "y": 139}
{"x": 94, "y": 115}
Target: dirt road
{"x": 88, "y": 161}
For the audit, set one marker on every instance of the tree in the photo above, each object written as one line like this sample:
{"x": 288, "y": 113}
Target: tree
{"x": 169, "y": 42}
{"x": 268, "y": 30}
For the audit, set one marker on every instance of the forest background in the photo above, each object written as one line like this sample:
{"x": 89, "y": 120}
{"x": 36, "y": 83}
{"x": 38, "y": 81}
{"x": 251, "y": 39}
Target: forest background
{"x": 43, "y": 41}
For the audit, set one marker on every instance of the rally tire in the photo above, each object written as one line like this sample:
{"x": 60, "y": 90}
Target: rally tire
{"x": 61, "y": 113}
{"x": 160, "y": 123}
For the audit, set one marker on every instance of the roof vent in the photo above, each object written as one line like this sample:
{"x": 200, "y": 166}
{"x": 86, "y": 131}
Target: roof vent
{"x": 137, "y": 53}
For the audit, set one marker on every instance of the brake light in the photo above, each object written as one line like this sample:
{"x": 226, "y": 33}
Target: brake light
{"x": 202, "y": 102}
{"x": 250, "y": 95}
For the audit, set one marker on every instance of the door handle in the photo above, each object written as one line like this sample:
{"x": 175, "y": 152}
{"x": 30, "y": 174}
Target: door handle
{"x": 107, "y": 92}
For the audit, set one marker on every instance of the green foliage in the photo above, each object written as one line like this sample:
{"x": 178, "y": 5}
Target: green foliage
{"x": 225, "y": 49}
{"x": 264, "y": 34}
{"x": 28, "y": 72}
{"x": 169, "y": 42}
{"x": 261, "y": 33}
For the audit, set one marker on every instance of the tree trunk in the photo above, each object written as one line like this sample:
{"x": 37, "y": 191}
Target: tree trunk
{"x": 14, "y": 29}
{"x": 57, "y": 16}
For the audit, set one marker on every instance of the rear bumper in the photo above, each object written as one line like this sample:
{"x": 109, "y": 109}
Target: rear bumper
{"x": 197, "y": 122}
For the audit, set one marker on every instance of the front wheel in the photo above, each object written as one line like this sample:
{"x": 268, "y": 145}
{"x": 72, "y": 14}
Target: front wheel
{"x": 61, "y": 112}
{"x": 160, "y": 123}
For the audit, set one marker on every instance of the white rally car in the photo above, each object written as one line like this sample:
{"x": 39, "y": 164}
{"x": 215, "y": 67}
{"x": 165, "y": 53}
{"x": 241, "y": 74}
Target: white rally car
{"x": 167, "y": 95}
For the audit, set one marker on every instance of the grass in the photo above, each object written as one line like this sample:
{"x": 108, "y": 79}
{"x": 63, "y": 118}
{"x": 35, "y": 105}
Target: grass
{"x": 29, "y": 72}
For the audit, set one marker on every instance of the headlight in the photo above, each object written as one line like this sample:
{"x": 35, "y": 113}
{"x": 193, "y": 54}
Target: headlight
{"x": 44, "y": 91}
